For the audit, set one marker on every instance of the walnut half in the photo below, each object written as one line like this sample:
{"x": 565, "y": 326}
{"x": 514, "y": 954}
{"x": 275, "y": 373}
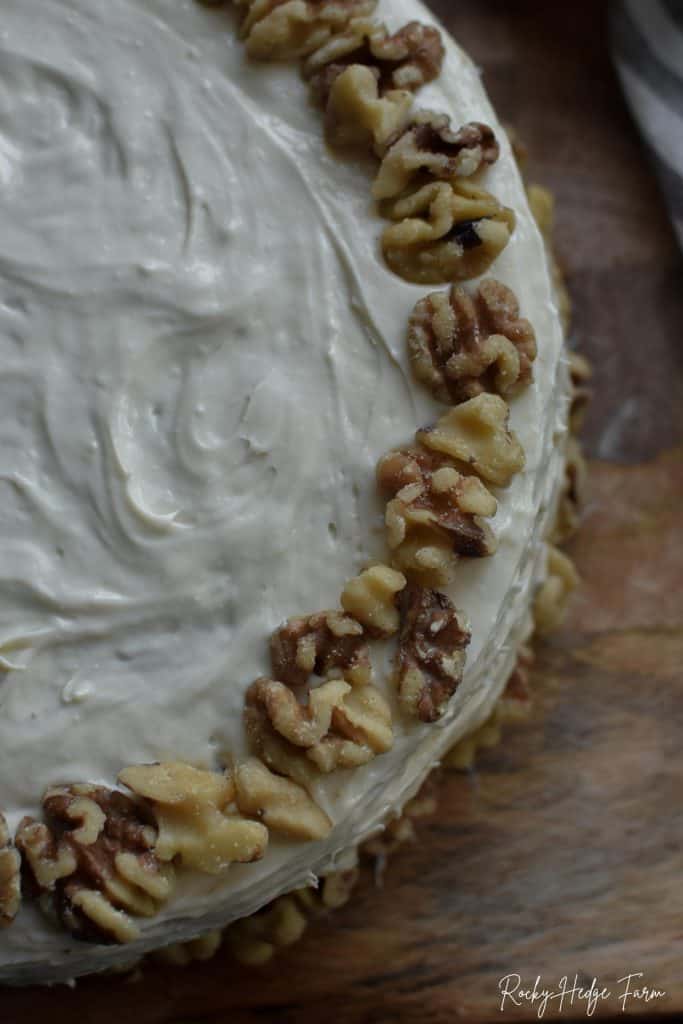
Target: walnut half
{"x": 337, "y": 727}
{"x": 431, "y": 652}
{"x": 327, "y": 644}
{"x": 405, "y": 60}
{"x": 358, "y": 114}
{"x": 461, "y": 345}
{"x": 435, "y": 514}
{"x": 10, "y": 877}
{"x": 476, "y": 434}
{"x": 198, "y": 823}
{"x": 95, "y": 861}
{"x": 429, "y": 146}
{"x": 289, "y": 29}
{"x": 445, "y": 232}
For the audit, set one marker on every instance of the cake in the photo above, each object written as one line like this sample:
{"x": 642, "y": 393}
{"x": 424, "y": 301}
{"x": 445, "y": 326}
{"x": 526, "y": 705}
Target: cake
{"x": 283, "y": 440}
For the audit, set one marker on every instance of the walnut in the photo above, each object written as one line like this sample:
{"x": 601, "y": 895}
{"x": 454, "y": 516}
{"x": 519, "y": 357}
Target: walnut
{"x": 327, "y": 644}
{"x": 192, "y": 809}
{"x": 406, "y": 60}
{"x": 255, "y": 939}
{"x": 339, "y": 727}
{"x": 580, "y": 374}
{"x": 445, "y": 232}
{"x": 180, "y": 954}
{"x": 476, "y": 434}
{"x": 542, "y": 206}
{"x": 95, "y": 859}
{"x": 513, "y": 705}
{"x": 429, "y": 146}
{"x": 289, "y": 29}
{"x": 371, "y": 599}
{"x": 10, "y": 877}
{"x": 282, "y": 805}
{"x": 462, "y": 345}
{"x": 431, "y": 652}
{"x": 573, "y": 495}
{"x": 337, "y": 887}
{"x": 357, "y": 115}
{"x": 435, "y": 514}
{"x": 552, "y": 597}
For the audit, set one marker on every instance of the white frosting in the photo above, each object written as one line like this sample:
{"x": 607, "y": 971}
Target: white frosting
{"x": 202, "y": 357}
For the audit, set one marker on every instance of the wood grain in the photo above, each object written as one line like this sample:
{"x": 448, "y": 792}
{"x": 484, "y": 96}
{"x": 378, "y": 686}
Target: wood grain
{"x": 561, "y": 855}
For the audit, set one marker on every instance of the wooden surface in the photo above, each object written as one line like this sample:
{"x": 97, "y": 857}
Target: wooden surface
{"x": 562, "y": 854}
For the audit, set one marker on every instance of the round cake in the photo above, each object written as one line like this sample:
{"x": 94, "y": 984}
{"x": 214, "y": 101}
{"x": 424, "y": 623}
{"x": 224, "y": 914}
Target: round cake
{"x": 284, "y": 404}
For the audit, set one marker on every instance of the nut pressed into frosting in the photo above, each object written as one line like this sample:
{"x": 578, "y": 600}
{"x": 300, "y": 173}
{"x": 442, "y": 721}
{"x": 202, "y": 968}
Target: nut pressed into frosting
{"x": 431, "y": 652}
{"x": 476, "y": 434}
{"x": 462, "y": 345}
{"x": 327, "y": 644}
{"x": 95, "y": 861}
{"x": 445, "y": 232}
{"x": 10, "y": 876}
{"x": 195, "y": 812}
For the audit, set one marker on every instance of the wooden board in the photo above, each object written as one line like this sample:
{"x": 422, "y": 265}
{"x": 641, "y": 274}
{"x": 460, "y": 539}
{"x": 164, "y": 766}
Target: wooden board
{"x": 562, "y": 854}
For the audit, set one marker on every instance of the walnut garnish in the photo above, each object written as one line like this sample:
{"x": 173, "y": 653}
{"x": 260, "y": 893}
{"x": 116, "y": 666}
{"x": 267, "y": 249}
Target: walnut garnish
{"x": 180, "y": 954}
{"x": 477, "y": 435}
{"x": 338, "y": 727}
{"x": 573, "y": 495}
{"x": 193, "y": 811}
{"x": 289, "y": 29}
{"x": 279, "y": 803}
{"x": 580, "y": 373}
{"x": 431, "y": 652}
{"x": 462, "y": 345}
{"x": 552, "y": 597}
{"x": 10, "y": 877}
{"x": 95, "y": 859}
{"x": 255, "y": 939}
{"x": 435, "y": 514}
{"x": 357, "y": 115}
{"x": 327, "y": 644}
{"x": 371, "y": 599}
{"x": 429, "y": 146}
{"x": 513, "y": 705}
{"x": 445, "y": 232}
{"x": 405, "y": 60}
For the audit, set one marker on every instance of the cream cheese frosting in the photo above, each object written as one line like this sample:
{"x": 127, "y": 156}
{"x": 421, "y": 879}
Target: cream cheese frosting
{"x": 203, "y": 357}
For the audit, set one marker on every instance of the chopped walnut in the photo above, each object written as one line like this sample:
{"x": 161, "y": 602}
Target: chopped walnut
{"x": 357, "y": 115}
{"x": 445, "y": 232}
{"x": 193, "y": 812}
{"x": 513, "y": 705}
{"x": 542, "y": 206}
{"x": 371, "y": 599}
{"x": 552, "y": 597}
{"x": 477, "y": 435}
{"x": 337, "y": 888}
{"x": 406, "y": 60}
{"x": 96, "y": 860}
{"x": 339, "y": 727}
{"x": 435, "y": 514}
{"x": 580, "y": 374}
{"x": 255, "y": 939}
{"x": 289, "y": 29}
{"x": 462, "y": 345}
{"x": 573, "y": 495}
{"x": 429, "y": 146}
{"x": 327, "y": 644}
{"x": 431, "y": 652}
{"x": 180, "y": 954}
{"x": 10, "y": 877}
{"x": 282, "y": 805}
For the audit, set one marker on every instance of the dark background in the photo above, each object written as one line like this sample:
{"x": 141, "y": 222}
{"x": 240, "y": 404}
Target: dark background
{"x": 562, "y": 853}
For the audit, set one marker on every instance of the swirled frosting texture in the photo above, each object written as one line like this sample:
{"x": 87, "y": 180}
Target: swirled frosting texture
{"x": 202, "y": 357}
